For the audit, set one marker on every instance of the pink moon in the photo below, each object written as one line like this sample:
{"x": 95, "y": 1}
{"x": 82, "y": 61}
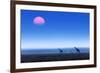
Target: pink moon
{"x": 39, "y": 20}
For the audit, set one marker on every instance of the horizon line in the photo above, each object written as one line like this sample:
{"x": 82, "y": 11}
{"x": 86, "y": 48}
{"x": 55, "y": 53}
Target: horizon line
{"x": 54, "y": 47}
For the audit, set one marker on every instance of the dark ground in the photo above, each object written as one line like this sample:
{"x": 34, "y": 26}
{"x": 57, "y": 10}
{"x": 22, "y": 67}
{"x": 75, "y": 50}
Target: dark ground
{"x": 54, "y": 57}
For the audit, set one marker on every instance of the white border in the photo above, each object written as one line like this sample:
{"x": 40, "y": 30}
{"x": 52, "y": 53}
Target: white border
{"x": 60, "y": 63}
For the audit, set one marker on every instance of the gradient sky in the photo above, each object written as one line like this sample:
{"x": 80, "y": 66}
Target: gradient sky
{"x": 60, "y": 30}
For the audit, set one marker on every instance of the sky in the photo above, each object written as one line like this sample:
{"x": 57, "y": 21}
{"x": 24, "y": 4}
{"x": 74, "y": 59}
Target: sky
{"x": 60, "y": 30}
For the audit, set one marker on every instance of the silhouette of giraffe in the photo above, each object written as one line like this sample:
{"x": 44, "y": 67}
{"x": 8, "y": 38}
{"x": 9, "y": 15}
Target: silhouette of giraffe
{"x": 60, "y": 50}
{"x": 77, "y": 50}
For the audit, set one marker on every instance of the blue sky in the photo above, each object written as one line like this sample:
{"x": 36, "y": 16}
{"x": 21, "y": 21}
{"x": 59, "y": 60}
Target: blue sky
{"x": 61, "y": 29}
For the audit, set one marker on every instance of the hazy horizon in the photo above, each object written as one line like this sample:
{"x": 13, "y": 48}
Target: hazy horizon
{"x": 56, "y": 48}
